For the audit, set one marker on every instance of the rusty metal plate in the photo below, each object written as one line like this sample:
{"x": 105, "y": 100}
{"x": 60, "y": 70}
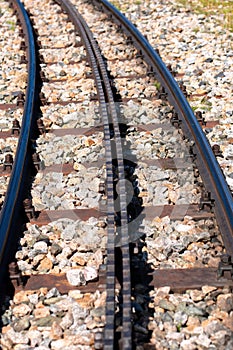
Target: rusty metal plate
{"x": 63, "y": 103}
{"x": 168, "y": 163}
{"x": 183, "y": 279}
{"x": 177, "y": 163}
{"x": 211, "y": 124}
{"x": 97, "y": 128}
{"x": 35, "y": 282}
{"x": 46, "y": 217}
{"x": 4, "y": 106}
{"x": 77, "y": 131}
{"x": 6, "y": 134}
{"x": 176, "y": 212}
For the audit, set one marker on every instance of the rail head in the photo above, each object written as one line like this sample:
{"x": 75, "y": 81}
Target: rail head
{"x": 10, "y": 207}
{"x": 209, "y": 168}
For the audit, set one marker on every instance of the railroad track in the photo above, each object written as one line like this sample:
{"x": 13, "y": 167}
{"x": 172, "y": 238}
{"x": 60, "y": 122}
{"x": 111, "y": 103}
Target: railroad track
{"x": 123, "y": 202}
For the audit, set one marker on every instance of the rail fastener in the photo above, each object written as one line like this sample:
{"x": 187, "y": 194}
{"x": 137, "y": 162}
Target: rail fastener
{"x": 36, "y": 161}
{"x": 29, "y": 208}
{"x": 20, "y": 100}
{"x": 217, "y": 151}
{"x": 206, "y": 200}
{"x": 15, "y": 127}
{"x": 200, "y": 118}
{"x": 41, "y": 126}
{"x": 15, "y": 274}
{"x": 225, "y": 267}
{"x": 8, "y": 162}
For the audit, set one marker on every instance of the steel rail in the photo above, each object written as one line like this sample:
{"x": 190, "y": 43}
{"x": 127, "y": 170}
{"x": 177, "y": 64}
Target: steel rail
{"x": 208, "y": 166}
{"x": 113, "y": 150}
{"x": 12, "y": 202}
{"x": 126, "y": 340}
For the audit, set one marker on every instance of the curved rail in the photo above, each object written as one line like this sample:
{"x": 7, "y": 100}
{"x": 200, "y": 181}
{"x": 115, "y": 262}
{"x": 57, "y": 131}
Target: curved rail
{"x": 10, "y": 209}
{"x": 126, "y": 338}
{"x": 208, "y": 166}
{"x": 113, "y": 150}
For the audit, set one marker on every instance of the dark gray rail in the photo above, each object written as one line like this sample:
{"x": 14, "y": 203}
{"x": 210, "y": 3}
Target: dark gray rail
{"x": 113, "y": 150}
{"x": 208, "y": 166}
{"x": 10, "y": 209}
